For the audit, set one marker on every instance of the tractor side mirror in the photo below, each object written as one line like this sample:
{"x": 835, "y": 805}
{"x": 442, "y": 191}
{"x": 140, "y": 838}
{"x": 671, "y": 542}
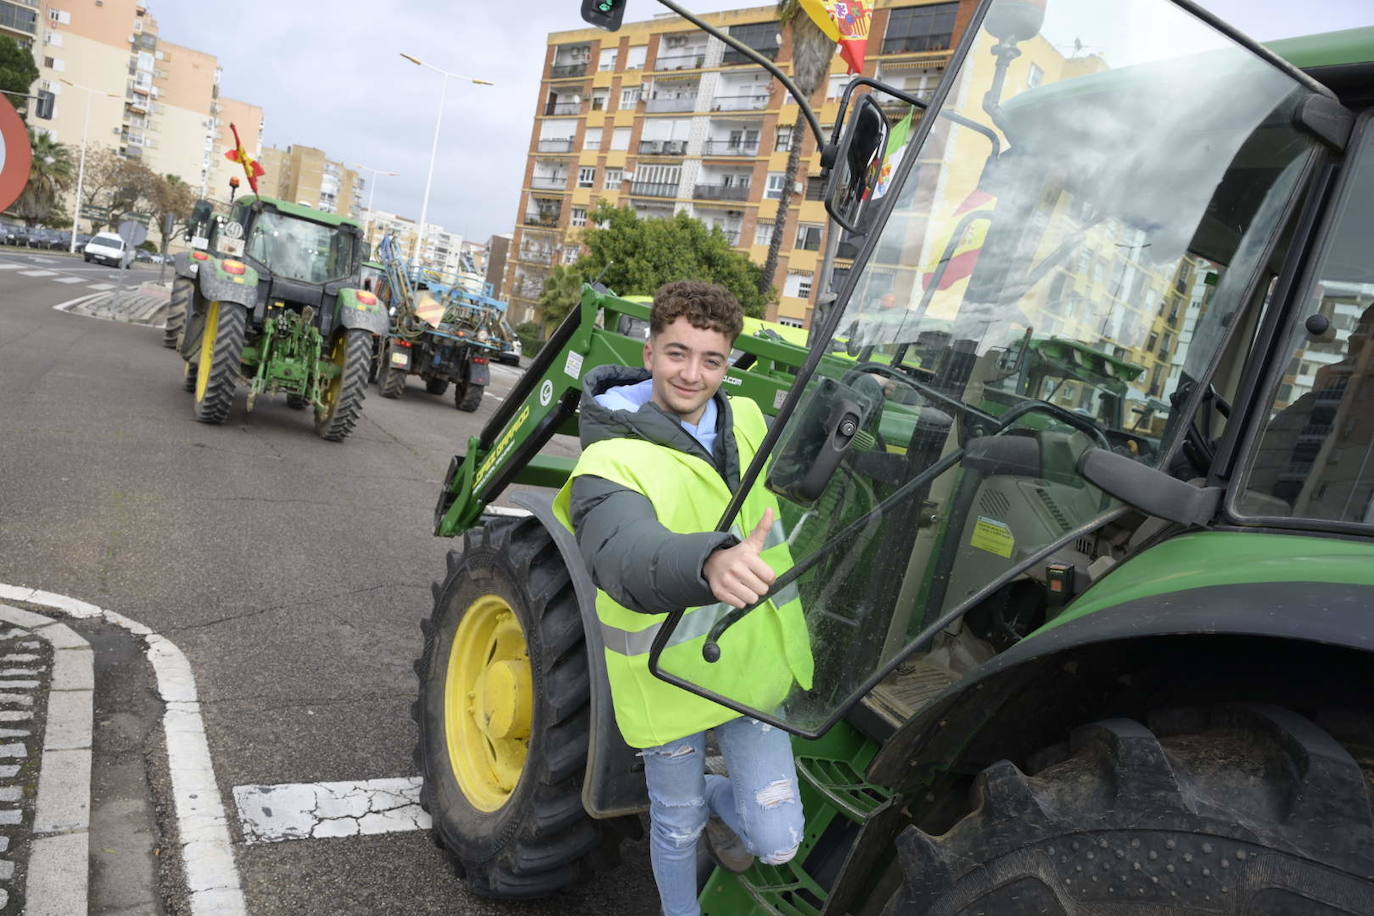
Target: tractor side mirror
{"x": 858, "y": 164}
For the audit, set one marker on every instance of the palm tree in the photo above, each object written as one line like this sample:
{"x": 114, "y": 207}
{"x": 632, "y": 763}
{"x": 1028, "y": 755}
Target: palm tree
{"x": 812, "y": 50}
{"x": 50, "y": 174}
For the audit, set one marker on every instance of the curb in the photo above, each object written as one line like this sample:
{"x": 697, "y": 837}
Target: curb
{"x": 60, "y": 847}
{"x": 207, "y": 855}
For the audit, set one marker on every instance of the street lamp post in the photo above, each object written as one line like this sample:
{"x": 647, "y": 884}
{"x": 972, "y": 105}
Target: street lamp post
{"x": 434, "y": 148}
{"x": 81, "y": 165}
{"x": 371, "y": 192}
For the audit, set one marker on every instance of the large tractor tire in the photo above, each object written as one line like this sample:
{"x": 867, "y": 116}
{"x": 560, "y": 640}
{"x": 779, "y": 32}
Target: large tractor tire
{"x": 219, "y": 360}
{"x": 343, "y": 396}
{"x": 183, "y": 288}
{"x": 1243, "y": 809}
{"x": 503, "y": 717}
{"x": 436, "y": 385}
{"x": 390, "y": 380}
{"x": 189, "y": 371}
{"x": 468, "y": 397}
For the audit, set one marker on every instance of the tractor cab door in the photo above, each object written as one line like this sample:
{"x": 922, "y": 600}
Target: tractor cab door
{"x": 1091, "y": 196}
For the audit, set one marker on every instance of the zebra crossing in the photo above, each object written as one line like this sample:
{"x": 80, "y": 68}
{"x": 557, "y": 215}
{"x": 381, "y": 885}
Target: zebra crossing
{"x": 50, "y": 268}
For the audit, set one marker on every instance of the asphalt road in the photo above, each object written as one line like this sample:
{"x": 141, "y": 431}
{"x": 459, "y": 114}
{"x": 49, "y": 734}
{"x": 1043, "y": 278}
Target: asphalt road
{"x": 291, "y": 571}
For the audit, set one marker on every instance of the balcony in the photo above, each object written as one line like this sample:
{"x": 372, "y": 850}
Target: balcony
{"x": 731, "y": 148}
{"x": 548, "y": 218}
{"x": 567, "y": 71}
{"x": 693, "y": 60}
{"x": 563, "y": 108}
{"x": 662, "y": 147}
{"x": 557, "y": 145}
{"x": 537, "y": 255}
{"x": 721, "y": 192}
{"x": 733, "y": 57}
{"x": 549, "y": 182}
{"x": 754, "y": 101}
{"x": 680, "y": 103}
{"x": 654, "y": 189}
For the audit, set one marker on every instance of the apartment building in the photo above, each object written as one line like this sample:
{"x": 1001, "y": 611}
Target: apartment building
{"x": 441, "y": 250}
{"x": 306, "y": 175}
{"x": 667, "y": 119}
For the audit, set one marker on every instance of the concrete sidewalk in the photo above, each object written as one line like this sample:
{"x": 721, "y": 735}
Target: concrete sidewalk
{"x": 46, "y": 690}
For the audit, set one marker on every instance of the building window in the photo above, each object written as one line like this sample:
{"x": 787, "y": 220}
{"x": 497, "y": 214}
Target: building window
{"x": 620, "y": 139}
{"x": 592, "y": 138}
{"x": 920, "y": 28}
{"x": 599, "y": 97}
{"x": 614, "y": 179}
{"x": 763, "y": 233}
{"x": 579, "y": 217}
{"x": 815, "y": 188}
{"x": 629, "y": 98}
{"x": 586, "y": 176}
{"x": 1035, "y": 76}
{"x": 835, "y": 87}
{"x": 791, "y": 322}
{"x": 635, "y": 59}
{"x": 608, "y": 59}
{"x": 809, "y": 237}
{"x": 761, "y": 36}
{"x": 776, "y": 182}
{"x": 782, "y": 141}
{"x": 798, "y": 284}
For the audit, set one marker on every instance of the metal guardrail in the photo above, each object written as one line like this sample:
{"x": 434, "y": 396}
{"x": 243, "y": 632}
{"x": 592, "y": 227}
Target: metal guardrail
{"x": 681, "y": 103}
{"x": 662, "y": 147}
{"x": 563, "y": 108}
{"x": 654, "y": 188}
{"x": 556, "y": 145}
{"x": 557, "y": 183}
{"x": 721, "y": 192}
{"x": 753, "y": 101}
{"x": 691, "y": 61}
{"x": 731, "y": 148}
{"x": 567, "y": 71}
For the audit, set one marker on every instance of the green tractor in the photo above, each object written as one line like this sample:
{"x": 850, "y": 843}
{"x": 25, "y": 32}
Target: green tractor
{"x": 271, "y": 297}
{"x": 1073, "y": 653}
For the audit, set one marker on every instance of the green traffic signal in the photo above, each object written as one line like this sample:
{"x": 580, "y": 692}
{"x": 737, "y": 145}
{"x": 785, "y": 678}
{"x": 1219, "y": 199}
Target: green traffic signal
{"x": 604, "y": 14}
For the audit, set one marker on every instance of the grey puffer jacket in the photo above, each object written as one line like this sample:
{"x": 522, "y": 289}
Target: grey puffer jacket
{"x": 632, "y": 557}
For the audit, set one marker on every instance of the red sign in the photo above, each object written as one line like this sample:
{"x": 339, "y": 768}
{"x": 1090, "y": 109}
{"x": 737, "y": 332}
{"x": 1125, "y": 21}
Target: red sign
{"x": 16, "y": 155}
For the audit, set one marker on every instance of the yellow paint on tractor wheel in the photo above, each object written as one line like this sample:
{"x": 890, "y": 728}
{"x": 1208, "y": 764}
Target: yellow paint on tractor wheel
{"x": 206, "y": 366}
{"x": 488, "y": 703}
{"x": 338, "y": 355}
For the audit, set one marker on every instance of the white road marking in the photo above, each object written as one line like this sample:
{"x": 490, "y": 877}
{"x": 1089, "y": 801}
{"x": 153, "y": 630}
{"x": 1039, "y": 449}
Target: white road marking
{"x": 102, "y": 286}
{"x": 10, "y": 266}
{"x": 300, "y": 811}
{"x": 37, "y": 273}
{"x": 69, "y": 279}
{"x": 71, "y": 303}
{"x": 207, "y": 857}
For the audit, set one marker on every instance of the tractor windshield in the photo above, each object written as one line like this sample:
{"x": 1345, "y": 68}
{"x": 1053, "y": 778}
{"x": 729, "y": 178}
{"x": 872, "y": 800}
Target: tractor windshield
{"x": 1070, "y": 236}
{"x": 299, "y": 249}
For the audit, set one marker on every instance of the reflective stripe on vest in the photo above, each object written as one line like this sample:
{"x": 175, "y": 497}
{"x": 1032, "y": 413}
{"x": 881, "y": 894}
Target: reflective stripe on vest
{"x": 699, "y": 622}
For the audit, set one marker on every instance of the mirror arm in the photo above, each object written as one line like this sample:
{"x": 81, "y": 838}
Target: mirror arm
{"x": 763, "y": 62}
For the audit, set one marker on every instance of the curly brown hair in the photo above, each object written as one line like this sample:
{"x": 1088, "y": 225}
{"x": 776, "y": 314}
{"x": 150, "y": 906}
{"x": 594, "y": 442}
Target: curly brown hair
{"x": 706, "y": 306}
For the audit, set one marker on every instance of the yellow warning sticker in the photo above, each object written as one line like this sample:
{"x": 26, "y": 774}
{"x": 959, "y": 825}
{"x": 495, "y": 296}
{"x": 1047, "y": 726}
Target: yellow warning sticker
{"x": 993, "y": 536}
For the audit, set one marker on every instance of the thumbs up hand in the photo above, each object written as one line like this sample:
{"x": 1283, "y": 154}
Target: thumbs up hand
{"x": 737, "y": 575}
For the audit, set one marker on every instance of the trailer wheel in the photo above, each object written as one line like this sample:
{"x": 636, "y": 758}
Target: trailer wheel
{"x": 391, "y": 381}
{"x": 468, "y": 397}
{"x": 343, "y": 396}
{"x": 503, "y": 716}
{"x": 1240, "y": 809}
{"x": 436, "y": 385}
{"x": 182, "y": 289}
{"x": 219, "y": 360}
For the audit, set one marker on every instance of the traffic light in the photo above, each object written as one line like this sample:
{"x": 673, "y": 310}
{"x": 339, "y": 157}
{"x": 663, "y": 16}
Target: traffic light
{"x": 43, "y": 109}
{"x": 604, "y": 14}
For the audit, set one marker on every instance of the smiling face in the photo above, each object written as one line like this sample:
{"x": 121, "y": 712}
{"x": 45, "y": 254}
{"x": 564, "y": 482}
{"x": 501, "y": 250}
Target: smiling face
{"x": 688, "y": 366}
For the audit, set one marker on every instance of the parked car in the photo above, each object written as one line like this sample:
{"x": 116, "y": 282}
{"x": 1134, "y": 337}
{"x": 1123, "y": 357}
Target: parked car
{"x": 10, "y": 234}
{"x": 61, "y": 240}
{"x": 142, "y": 254}
{"x": 108, "y": 248}
{"x": 40, "y": 237}
{"x": 19, "y": 235}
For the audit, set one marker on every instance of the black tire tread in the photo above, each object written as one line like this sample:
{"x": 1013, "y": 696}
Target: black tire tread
{"x": 182, "y": 290}
{"x": 436, "y": 385}
{"x": 335, "y": 424}
{"x": 391, "y": 382}
{"x": 225, "y": 363}
{"x": 1242, "y": 808}
{"x": 468, "y": 397}
{"x": 554, "y": 843}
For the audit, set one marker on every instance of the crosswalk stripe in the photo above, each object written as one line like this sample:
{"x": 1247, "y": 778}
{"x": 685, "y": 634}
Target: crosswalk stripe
{"x": 69, "y": 279}
{"x": 102, "y": 286}
{"x": 37, "y": 273}
{"x": 300, "y": 811}
{"x": 10, "y": 266}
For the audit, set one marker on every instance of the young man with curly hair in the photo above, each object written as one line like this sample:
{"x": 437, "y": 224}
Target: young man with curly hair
{"x": 663, "y": 450}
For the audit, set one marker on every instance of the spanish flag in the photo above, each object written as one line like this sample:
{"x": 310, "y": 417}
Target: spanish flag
{"x": 238, "y": 154}
{"x": 845, "y": 22}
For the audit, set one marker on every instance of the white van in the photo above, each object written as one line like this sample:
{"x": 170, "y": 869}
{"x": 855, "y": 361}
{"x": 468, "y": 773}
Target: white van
{"x": 108, "y": 248}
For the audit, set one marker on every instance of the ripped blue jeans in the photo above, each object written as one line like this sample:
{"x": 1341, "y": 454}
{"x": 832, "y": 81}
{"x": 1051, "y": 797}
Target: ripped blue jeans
{"x": 759, "y": 801}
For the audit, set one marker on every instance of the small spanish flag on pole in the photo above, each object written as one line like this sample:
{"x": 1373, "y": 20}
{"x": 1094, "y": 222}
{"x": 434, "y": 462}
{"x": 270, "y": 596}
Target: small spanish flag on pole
{"x": 238, "y": 154}
{"x": 845, "y": 22}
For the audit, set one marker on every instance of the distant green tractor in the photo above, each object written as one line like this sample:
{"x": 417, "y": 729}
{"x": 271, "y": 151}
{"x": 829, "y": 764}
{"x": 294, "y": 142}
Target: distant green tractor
{"x": 273, "y": 299}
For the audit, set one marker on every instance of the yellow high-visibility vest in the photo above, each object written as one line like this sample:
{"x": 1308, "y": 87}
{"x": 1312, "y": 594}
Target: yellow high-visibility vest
{"x": 762, "y": 656}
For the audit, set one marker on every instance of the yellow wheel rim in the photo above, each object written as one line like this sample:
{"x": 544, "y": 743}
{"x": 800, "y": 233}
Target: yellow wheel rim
{"x": 488, "y": 703}
{"x": 338, "y": 354}
{"x": 206, "y": 367}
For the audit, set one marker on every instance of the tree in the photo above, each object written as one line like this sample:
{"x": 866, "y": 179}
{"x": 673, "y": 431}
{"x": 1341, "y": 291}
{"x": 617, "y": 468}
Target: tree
{"x": 17, "y": 69}
{"x": 811, "y": 54}
{"x": 114, "y": 185}
{"x": 635, "y": 256}
{"x": 171, "y": 199}
{"x": 562, "y": 293}
{"x": 51, "y": 173}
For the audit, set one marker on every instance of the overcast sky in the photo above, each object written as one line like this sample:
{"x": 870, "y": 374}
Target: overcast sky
{"x": 331, "y": 76}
